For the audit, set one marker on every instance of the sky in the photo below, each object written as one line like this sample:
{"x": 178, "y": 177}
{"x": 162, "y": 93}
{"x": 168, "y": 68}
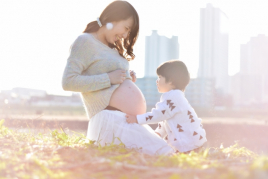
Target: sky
{"x": 36, "y": 35}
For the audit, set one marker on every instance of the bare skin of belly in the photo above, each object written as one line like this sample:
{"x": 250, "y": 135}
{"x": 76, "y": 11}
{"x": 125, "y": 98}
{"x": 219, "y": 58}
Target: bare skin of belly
{"x": 128, "y": 98}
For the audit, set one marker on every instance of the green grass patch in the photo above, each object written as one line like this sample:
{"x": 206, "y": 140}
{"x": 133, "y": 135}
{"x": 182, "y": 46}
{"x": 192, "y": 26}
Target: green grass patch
{"x": 61, "y": 155}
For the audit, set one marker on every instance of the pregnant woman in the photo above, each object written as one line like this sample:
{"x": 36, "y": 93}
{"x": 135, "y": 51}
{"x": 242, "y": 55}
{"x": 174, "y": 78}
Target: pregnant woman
{"x": 98, "y": 67}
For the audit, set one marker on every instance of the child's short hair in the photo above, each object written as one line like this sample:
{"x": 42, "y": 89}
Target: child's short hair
{"x": 176, "y": 72}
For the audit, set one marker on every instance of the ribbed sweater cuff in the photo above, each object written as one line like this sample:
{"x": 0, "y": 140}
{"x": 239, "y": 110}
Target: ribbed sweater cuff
{"x": 103, "y": 80}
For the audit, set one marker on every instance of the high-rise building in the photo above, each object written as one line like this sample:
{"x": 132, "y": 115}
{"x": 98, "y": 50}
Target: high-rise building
{"x": 213, "y": 47}
{"x": 200, "y": 93}
{"x": 254, "y": 56}
{"x": 149, "y": 89}
{"x": 253, "y": 75}
{"x": 159, "y": 49}
{"x": 247, "y": 89}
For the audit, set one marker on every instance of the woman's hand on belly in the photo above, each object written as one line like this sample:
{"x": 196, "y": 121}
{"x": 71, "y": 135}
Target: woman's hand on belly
{"x": 117, "y": 76}
{"x": 128, "y": 98}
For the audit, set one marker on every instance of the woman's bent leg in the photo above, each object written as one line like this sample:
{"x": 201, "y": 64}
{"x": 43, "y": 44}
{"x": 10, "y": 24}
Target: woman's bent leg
{"x": 108, "y": 126}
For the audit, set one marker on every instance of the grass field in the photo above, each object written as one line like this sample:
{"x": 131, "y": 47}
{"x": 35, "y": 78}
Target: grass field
{"x": 57, "y": 154}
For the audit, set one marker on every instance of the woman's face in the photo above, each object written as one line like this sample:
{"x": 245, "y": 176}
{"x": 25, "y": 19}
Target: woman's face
{"x": 120, "y": 30}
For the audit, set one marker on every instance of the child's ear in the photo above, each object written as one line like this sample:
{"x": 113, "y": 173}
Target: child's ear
{"x": 170, "y": 83}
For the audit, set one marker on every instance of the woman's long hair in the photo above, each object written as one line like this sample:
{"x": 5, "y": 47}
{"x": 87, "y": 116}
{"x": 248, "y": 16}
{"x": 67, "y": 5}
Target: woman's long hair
{"x": 117, "y": 11}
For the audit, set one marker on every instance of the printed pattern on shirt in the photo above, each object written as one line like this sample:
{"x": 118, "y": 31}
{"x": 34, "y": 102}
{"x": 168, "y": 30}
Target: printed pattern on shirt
{"x": 192, "y": 120}
{"x": 166, "y": 138}
{"x": 150, "y": 117}
{"x": 191, "y": 117}
{"x": 179, "y": 127}
{"x": 176, "y": 124}
{"x": 170, "y": 105}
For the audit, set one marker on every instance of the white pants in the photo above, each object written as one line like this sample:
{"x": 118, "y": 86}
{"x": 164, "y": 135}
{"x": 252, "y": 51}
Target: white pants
{"x": 108, "y": 125}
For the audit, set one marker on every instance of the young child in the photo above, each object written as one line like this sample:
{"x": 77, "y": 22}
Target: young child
{"x": 177, "y": 121}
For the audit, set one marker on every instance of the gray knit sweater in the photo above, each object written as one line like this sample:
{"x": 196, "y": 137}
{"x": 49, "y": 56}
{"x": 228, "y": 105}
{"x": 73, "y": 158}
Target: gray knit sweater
{"x": 86, "y": 72}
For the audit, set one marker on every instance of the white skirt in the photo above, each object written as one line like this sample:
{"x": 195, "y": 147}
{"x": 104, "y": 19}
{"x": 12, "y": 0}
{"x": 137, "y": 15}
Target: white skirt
{"x": 107, "y": 125}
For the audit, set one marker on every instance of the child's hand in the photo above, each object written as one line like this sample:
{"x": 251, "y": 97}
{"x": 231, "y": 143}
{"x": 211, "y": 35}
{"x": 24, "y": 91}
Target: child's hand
{"x": 133, "y": 75}
{"x": 131, "y": 119}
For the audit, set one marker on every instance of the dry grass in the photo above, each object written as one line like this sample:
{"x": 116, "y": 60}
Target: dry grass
{"x": 58, "y": 155}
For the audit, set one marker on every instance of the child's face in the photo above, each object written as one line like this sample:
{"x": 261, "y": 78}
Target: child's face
{"x": 162, "y": 85}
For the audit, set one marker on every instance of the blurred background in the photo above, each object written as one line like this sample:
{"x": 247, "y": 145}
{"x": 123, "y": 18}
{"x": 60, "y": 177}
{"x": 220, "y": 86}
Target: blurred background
{"x": 223, "y": 43}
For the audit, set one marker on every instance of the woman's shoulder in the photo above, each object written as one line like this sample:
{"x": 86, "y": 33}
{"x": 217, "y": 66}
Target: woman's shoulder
{"x": 85, "y": 42}
{"x": 84, "y": 38}
{"x": 88, "y": 40}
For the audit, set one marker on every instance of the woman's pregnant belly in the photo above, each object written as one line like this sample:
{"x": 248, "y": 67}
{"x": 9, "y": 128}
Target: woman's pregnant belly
{"x": 128, "y": 98}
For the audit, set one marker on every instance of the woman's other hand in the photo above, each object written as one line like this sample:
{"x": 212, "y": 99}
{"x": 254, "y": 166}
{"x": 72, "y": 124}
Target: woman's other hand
{"x": 131, "y": 119}
{"x": 117, "y": 76}
{"x": 133, "y": 75}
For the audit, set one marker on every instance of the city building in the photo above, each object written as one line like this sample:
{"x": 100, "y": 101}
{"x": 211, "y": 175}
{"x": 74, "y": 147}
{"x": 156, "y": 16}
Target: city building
{"x": 200, "y": 93}
{"x": 213, "y": 47}
{"x": 250, "y": 85}
{"x": 254, "y": 56}
{"x": 148, "y": 87}
{"x": 159, "y": 49}
{"x": 37, "y": 98}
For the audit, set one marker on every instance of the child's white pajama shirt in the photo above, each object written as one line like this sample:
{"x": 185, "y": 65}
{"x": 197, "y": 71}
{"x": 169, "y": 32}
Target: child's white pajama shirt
{"x": 177, "y": 121}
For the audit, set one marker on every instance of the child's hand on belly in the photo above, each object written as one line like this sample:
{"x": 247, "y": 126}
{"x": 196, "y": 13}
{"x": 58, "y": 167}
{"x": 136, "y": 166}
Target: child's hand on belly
{"x": 133, "y": 75}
